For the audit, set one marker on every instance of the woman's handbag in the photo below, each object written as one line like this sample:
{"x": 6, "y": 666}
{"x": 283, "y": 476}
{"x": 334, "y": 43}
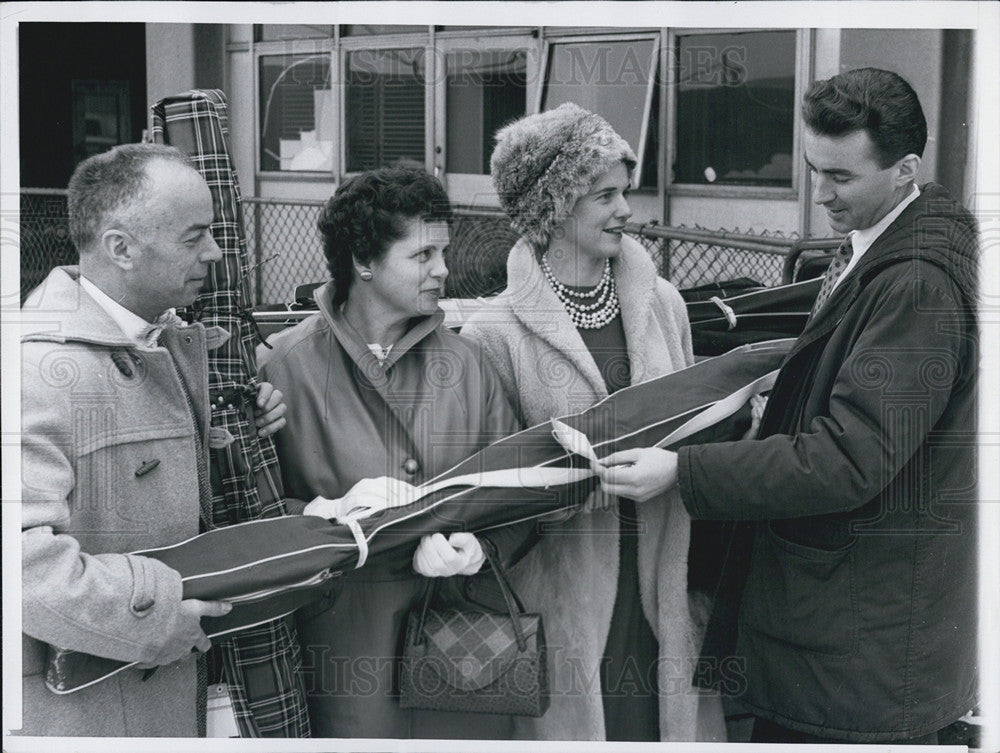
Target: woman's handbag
{"x": 471, "y": 660}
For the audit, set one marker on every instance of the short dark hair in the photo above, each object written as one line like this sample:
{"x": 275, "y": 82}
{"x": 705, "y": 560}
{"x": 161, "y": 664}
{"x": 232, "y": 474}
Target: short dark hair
{"x": 366, "y": 215}
{"x": 110, "y": 182}
{"x": 873, "y": 100}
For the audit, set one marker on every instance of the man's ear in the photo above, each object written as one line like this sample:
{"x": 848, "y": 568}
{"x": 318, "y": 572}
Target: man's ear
{"x": 908, "y": 167}
{"x": 117, "y": 246}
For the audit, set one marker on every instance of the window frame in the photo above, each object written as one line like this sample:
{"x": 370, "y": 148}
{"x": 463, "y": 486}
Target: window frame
{"x": 655, "y": 36}
{"x": 803, "y": 52}
{"x": 537, "y": 41}
{"x": 420, "y": 40}
{"x": 315, "y": 47}
{"x": 475, "y": 185}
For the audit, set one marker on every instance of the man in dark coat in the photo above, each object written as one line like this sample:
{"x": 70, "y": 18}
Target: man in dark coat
{"x": 857, "y": 620}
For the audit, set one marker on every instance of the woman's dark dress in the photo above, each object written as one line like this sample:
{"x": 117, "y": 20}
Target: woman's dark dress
{"x": 628, "y": 671}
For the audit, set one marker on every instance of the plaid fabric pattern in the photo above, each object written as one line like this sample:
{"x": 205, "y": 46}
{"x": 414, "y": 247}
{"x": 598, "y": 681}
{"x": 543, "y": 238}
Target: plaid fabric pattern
{"x": 246, "y": 483}
{"x": 268, "y": 684}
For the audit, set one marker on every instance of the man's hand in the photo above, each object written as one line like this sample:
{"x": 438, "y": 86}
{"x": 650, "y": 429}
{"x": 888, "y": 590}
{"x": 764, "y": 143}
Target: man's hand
{"x": 757, "y": 405}
{"x": 188, "y": 636}
{"x": 271, "y": 404}
{"x": 637, "y": 474}
{"x": 438, "y": 557}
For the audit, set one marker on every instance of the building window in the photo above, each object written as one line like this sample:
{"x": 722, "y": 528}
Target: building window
{"x": 101, "y": 116}
{"x": 296, "y": 113}
{"x": 485, "y": 90}
{"x": 612, "y": 76}
{"x": 384, "y": 108}
{"x": 735, "y": 108}
{"x": 369, "y": 30}
{"x": 278, "y": 32}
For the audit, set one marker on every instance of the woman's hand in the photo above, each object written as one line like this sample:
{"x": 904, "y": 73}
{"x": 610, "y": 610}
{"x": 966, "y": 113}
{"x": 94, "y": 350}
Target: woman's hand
{"x": 438, "y": 557}
{"x": 637, "y": 474}
{"x": 271, "y": 405}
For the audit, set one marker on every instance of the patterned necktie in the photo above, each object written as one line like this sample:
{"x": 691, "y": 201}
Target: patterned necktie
{"x": 840, "y": 261}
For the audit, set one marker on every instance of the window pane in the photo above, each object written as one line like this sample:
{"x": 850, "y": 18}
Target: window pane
{"x": 473, "y": 28}
{"x": 384, "y": 116}
{"x": 486, "y": 89}
{"x": 610, "y": 78}
{"x": 651, "y": 154}
{"x": 367, "y": 30}
{"x": 272, "y": 32}
{"x": 296, "y": 113}
{"x": 735, "y": 108}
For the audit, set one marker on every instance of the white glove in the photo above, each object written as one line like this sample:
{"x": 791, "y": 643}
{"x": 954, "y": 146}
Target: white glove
{"x": 438, "y": 557}
{"x": 366, "y": 497}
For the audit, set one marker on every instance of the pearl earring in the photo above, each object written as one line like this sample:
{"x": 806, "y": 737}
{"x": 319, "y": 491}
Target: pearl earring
{"x": 365, "y": 274}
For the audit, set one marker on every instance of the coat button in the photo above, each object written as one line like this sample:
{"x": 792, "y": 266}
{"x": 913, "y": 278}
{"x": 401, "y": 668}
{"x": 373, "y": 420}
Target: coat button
{"x": 146, "y": 467}
{"x": 411, "y": 466}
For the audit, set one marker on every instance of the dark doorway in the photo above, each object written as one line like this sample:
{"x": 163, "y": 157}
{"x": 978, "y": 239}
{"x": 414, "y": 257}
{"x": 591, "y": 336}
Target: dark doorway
{"x": 82, "y": 90}
{"x": 96, "y": 72}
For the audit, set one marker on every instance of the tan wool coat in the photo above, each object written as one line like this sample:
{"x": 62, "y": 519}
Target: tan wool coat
{"x": 571, "y": 575}
{"x": 109, "y": 465}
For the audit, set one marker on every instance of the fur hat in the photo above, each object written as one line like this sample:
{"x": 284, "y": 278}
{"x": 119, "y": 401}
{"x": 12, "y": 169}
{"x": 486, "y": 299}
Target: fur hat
{"x": 543, "y": 163}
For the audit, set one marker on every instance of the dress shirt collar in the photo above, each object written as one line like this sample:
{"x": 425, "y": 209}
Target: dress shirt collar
{"x": 862, "y": 240}
{"x": 133, "y": 325}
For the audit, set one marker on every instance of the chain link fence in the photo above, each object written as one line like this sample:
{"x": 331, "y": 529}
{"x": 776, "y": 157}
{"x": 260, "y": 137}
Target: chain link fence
{"x": 290, "y": 252}
{"x": 689, "y": 257}
{"x": 286, "y": 250}
{"x": 44, "y": 235}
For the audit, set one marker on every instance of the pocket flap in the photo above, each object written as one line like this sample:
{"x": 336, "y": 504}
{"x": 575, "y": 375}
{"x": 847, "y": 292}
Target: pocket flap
{"x": 215, "y": 336}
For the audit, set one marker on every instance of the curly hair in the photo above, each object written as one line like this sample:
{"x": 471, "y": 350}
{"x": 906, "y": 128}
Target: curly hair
{"x": 104, "y": 187}
{"x": 367, "y": 213}
{"x": 873, "y": 100}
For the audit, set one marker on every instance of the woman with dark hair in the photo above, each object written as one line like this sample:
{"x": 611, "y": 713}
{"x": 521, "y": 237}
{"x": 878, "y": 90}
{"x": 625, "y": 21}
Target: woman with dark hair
{"x": 378, "y": 387}
{"x": 584, "y": 314}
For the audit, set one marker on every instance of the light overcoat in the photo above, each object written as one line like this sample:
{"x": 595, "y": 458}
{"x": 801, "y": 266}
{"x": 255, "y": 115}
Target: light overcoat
{"x": 571, "y": 575}
{"x": 109, "y": 466}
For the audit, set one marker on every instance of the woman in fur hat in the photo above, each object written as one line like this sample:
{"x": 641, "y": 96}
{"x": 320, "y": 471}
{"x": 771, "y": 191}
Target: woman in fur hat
{"x": 584, "y": 314}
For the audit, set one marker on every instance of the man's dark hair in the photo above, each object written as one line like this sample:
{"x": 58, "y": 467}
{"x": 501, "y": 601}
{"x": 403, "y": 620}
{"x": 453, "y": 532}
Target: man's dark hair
{"x": 878, "y": 102}
{"x": 108, "y": 183}
{"x": 367, "y": 213}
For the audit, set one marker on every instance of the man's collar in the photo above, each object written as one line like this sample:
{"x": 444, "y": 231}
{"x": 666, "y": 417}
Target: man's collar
{"x": 133, "y": 325}
{"x": 861, "y": 240}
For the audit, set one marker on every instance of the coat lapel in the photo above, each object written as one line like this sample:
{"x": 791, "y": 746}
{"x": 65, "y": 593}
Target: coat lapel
{"x": 635, "y": 277}
{"x": 536, "y": 306}
{"x": 371, "y": 371}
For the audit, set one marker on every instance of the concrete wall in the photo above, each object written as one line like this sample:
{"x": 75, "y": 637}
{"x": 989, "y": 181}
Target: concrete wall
{"x": 181, "y": 57}
{"x": 239, "y": 92}
{"x": 915, "y": 54}
{"x": 747, "y": 215}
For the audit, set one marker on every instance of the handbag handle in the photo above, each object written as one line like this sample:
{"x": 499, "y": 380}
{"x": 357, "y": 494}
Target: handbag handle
{"x": 514, "y": 605}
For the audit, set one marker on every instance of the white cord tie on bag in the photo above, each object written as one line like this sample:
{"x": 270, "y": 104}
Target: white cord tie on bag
{"x": 726, "y": 310}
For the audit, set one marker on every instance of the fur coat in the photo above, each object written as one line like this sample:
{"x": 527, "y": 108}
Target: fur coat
{"x": 571, "y": 575}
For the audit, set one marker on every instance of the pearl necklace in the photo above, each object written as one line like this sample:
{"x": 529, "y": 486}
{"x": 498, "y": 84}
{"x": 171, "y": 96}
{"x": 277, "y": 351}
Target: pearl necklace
{"x": 587, "y": 315}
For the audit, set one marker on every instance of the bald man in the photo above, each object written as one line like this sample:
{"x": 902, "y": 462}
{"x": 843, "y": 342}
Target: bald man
{"x": 115, "y": 424}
